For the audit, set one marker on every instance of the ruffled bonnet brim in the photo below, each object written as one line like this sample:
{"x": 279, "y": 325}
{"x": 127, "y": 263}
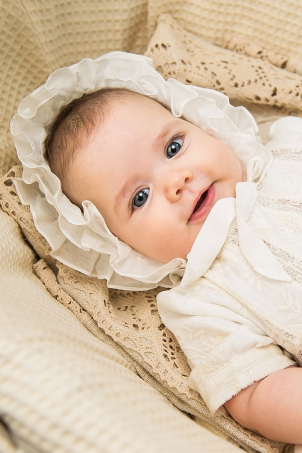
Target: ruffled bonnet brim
{"x": 81, "y": 239}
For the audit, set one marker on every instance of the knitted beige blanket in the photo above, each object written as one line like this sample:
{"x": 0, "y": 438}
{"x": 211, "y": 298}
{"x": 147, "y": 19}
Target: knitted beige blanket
{"x": 131, "y": 319}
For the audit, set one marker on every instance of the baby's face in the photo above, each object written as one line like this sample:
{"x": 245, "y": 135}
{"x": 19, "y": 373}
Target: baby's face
{"x": 154, "y": 177}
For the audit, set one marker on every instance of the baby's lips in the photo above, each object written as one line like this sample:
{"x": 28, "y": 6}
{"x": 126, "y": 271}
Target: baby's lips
{"x": 203, "y": 204}
{"x": 200, "y": 201}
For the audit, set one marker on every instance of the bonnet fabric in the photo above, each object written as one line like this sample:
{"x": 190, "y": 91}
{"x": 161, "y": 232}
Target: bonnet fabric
{"x": 80, "y": 238}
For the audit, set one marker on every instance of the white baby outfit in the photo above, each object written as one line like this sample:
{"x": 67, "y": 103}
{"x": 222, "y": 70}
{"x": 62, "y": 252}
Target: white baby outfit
{"x": 235, "y": 324}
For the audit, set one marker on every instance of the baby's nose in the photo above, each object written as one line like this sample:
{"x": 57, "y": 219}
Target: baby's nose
{"x": 175, "y": 183}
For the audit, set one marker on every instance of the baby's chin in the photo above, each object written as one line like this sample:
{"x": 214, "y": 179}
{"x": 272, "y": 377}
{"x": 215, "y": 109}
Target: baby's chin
{"x": 166, "y": 258}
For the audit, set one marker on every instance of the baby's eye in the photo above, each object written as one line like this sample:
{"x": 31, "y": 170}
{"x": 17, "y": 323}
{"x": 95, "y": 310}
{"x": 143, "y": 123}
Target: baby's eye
{"x": 174, "y": 147}
{"x": 140, "y": 198}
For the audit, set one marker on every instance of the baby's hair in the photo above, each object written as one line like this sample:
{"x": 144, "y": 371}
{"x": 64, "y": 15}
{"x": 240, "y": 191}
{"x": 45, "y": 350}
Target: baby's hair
{"x": 74, "y": 123}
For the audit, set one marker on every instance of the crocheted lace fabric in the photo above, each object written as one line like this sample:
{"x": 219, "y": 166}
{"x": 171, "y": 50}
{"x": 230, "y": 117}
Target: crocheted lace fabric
{"x": 129, "y": 318}
{"x": 240, "y": 45}
{"x": 180, "y": 54}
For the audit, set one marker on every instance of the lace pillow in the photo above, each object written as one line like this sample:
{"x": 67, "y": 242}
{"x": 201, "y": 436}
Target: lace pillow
{"x": 179, "y": 54}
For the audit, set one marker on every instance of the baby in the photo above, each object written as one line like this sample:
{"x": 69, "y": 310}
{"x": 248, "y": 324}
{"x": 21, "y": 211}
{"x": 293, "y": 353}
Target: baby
{"x": 143, "y": 181}
{"x": 153, "y": 177}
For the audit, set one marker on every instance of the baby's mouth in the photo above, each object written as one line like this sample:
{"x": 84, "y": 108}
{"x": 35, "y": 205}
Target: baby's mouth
{"x": 200, "y": 201}
{"x": 203, "y": 205}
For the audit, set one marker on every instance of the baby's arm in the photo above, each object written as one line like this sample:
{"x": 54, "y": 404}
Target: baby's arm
{"x": 272, "y": 407}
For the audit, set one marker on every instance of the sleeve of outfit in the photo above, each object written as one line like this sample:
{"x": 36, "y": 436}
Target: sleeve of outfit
{"x": 227, "y": 346}
{"x": 225, "y": 350}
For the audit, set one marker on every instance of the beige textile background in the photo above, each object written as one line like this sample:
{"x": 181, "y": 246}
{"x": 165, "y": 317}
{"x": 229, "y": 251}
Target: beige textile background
{"x": 38, "y": 36}
{"x": 274, "y": 24}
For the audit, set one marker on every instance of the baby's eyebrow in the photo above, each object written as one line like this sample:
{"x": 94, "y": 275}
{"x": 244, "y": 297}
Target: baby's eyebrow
{"x": 164, "y": 134}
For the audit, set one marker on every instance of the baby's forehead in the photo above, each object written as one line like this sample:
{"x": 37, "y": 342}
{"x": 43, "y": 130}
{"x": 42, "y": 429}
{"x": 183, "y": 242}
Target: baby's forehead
{"x": 136, "y": 98}
{"x": 132, "y": 108}
{"x": 153, "y": 108}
